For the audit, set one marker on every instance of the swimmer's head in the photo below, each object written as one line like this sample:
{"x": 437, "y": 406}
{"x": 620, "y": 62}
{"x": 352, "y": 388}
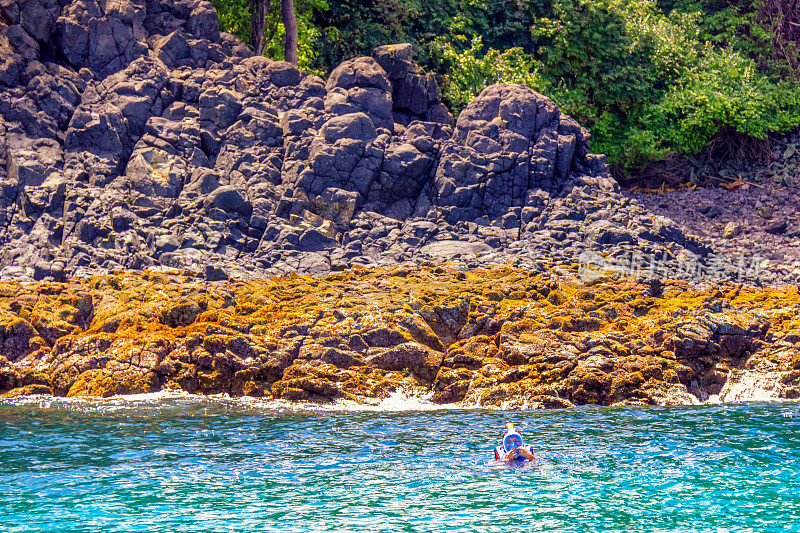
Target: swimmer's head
{"x": 511, "y": 439}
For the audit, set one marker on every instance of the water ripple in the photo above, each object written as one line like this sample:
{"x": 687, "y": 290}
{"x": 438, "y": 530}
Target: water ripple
{"x": 214, "y": 464}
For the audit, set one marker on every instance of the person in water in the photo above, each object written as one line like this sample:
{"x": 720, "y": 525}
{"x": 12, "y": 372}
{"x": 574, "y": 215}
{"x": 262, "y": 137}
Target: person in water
{"x": 513, "y": 449}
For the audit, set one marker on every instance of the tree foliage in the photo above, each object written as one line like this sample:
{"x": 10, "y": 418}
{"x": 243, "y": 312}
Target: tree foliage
{"x": 649, "y": 78}
{"x": 473, "y": 69}
{"x": 650, "y": 82}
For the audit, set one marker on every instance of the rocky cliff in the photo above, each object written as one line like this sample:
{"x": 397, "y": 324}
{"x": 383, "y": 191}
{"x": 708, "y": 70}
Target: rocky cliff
{"x": 135, "y": 135}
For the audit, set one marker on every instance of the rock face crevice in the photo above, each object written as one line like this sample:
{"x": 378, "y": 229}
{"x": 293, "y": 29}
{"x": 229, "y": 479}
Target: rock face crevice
{"x": 134, "y": 134}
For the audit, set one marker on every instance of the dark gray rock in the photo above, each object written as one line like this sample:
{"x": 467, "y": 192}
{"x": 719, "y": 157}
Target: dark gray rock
{"x": 22, "y": 43}
{"x": 439, "y": 113}
{"x": 606, "y": 232}
{"x": 230, "y": 200}
{"x": 284, "y": 74}
{"x": 313, "y": 240}
{"x": 405, "y": 171}
{"x": 166, "y": 244}
{"x": 356, "y": 126}
{"x": 111, "y": 118}
{"x": 375, "y": 103}
{"x": 411, "y": 94}
{"x": 361, "y": 72}
{"x": 220, "y": 106}
{"x": 777, "y": 227}
{"x": 395, "y": 59}
{"x": 214, "y": 273}
{"x": 162, "y": 158}
{"x": 122, "y": 219}
{"x": 105, "y": 41}
{"x": 204, "y": 23}
{"x": 173, "y": 50}
{"x": 37, "y": 17}
{"x": 30, "y": 162}
{"x": 133, "y": 134}
{"x": 711, "y": 211}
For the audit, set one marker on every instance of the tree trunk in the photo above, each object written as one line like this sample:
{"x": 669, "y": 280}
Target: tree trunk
{"x": 259, "y": 10}
{"x": 290, "y": 25}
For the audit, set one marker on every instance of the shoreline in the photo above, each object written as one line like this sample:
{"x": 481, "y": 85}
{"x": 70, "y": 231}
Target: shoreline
{"x": 396, "y": 402}
{"x": 489, "y": 338}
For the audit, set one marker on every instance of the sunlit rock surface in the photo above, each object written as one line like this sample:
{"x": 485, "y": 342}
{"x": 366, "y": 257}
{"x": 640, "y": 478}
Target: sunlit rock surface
{"x": 492, "y": 337}
{"x": 135, "y": 135}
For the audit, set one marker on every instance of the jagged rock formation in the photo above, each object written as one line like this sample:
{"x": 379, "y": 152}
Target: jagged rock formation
{"x": 133, "y": 134}
{"x": 492, "y": 337}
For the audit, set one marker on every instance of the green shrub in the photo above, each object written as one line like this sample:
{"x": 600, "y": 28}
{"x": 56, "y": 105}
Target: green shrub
{"x": 649, "y": 84}
{"x": 355, "y": 27}
{"x": 724, "y": 89}
{"x": 234, "y": 18}
{"x": 588, "y": 46}
{"x": 471, "y": 71}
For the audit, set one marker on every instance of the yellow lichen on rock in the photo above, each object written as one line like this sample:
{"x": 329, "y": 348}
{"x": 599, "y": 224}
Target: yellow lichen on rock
{"x": 490, "y": 337}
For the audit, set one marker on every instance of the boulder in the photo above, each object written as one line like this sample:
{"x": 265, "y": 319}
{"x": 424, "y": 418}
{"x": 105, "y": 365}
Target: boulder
{"x": 204, "y": 22}
{"x": 361, "y": 72}
{"x": 777, "y": 227}
{"x": 182, "y": 313}
{"x": 395, "y": 59}
{"x": 356, "y": 126}
{"x": 172, "y": 49}
{"x": 411, "y": 357}
{"x": 605, "y": 232}
{"x": 230, "y": 200}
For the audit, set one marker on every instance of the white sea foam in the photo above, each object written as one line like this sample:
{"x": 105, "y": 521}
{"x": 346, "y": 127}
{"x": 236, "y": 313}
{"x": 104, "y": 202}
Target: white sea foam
{"x": 751, "y": 386}
{"x": 112, "y": 403}
{"x": 398, "y": 401}
{"x": 741, "y": 386}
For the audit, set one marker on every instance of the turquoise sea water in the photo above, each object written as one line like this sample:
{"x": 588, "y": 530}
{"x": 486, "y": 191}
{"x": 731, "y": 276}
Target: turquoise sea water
{"x": 197, "y": 464}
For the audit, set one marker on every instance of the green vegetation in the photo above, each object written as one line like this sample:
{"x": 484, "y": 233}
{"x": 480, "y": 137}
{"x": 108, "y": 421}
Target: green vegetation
{"x": 234, "y": 17}
{"x": 473, "y": 69}
{"x": 650, "y": 82}
{"x": 649, "y": 78}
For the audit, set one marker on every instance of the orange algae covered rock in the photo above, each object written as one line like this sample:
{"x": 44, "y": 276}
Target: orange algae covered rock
{"x": 492, "y": 337}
